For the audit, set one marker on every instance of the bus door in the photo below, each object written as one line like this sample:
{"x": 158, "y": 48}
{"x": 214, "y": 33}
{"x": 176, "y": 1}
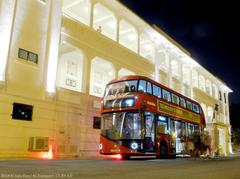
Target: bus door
{"x": 150, "y": 132}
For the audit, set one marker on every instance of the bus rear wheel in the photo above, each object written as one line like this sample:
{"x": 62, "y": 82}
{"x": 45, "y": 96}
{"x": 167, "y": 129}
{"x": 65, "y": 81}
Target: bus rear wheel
{"x": 163, "y": 151}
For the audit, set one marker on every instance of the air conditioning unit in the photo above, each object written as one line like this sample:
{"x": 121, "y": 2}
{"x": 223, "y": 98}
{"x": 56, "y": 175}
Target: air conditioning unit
{"x": 38, "y": 144}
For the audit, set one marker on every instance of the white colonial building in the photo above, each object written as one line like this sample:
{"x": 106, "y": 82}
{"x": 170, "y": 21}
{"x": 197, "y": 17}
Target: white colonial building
{"x": 56, "y": 58}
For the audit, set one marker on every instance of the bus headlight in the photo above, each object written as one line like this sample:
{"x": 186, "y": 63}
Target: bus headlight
{"x": 134, "y": 146}
{"x": 100, "y": 146}
{"x": 128, "y": 102}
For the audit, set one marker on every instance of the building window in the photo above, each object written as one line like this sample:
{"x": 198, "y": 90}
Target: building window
{"x": 147, "y": 48}
{"x": 195, "y": 78}
{"x": 28, "y": 56}
{"x": 104, "y": 21}
{"x": 202, "y": 83}
{"x": 102, "y": 72}
{"x": 22, "y": 112}
{"x": 128, "y": 36}
{"x": 79, "y": 10}
{"x": 125, "y": 72}
{"x": 220, "y": 95}
{"x": 96, "y": 122}
{"x": 70, "y": 67}
{"x": 175, "y": 68}
{"x": 225, "y": 98}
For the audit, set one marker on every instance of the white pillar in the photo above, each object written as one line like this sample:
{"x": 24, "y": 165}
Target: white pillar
{"x": 190, "y": 83}
{"x": 169, "y": 70}
{"x": 7, "y": 10}
{"x": 181, "y": 78}
{"x": 156, "y": 59}
{"x": 54, "y": 30}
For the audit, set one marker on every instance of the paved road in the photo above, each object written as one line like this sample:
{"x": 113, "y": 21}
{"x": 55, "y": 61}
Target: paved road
{"x": 133, "y": 169}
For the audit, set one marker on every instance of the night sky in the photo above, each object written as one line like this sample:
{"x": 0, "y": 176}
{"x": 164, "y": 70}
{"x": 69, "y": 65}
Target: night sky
{"x": 209, "y": 30}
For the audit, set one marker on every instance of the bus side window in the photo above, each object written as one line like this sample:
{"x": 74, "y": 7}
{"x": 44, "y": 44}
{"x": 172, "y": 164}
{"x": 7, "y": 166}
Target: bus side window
{"x": 182, "y": 102}
{"x": 166, "y": 95}
{"x": 149, "y": 88}
{"x": 189, "y": 105}
{"x": 157, "y": 91}
{"x": 195, "y": 108}
{"x": 175, "y": 99}
{"x": 142, "y": 86}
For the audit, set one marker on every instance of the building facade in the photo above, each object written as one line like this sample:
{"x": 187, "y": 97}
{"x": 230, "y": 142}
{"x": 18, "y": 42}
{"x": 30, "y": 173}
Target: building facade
{"x": 56, "y": 58}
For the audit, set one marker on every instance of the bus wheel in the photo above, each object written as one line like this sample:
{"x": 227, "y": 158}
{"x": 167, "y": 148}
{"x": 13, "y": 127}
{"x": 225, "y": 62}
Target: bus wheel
{"x": 163, "y": 151}
{"x": 125, "y": 156}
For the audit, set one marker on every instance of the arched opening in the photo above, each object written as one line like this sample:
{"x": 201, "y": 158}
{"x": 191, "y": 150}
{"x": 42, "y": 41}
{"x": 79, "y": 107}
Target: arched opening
{"x": 204, "y": 108}
{"x": 163, "y": 61}
{"x": 125, "y": 72}
{"x": 202, "y": 83}
{"x": 128, "y": 36}
{"x": 78, "y": 9}
{"x": 102, "y": 72}
{"x": 195, "y": 78}
{"x": 214, "y": 91}
{"x": 208, "y": 87}
{"x": 186, "y": 74}
{"x": 175, "y": 68}
{"x": 70, "y": 67}
{"x": 147, "y": 48}
{"x": 104, "y": 21}
{"x": 209, "y": 113}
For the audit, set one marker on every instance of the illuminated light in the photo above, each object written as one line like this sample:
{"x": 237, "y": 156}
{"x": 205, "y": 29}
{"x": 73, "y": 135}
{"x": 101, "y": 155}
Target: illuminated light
{"x": 53, "y": 49}
{"x": 162, "y": 118}
{"x": 112, "y": 24}
{"x": 86, "y": 9}
{"x": 131, "y": 37}
{"x": 46, "y": 155}
{"x": 100, "y": 146}
{"x": 147, "y": 47}
{"x": 134, "y": 146}
{"x": 130, "y": 102}
{"x": 6, "y": 18}
{"x": 118, "y": 156}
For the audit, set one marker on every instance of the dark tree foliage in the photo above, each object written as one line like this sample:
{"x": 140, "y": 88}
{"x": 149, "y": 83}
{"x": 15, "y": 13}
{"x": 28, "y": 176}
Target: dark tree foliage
{"x": 236, "y": 136}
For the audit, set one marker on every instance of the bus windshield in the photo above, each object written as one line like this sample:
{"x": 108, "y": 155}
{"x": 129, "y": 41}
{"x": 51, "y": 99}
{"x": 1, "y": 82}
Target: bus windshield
{"x": 121, "y": 87}
{"x": 122, "y": 125}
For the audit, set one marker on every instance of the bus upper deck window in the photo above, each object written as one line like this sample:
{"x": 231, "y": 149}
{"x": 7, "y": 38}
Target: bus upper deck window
{"x": 142, "y": 86}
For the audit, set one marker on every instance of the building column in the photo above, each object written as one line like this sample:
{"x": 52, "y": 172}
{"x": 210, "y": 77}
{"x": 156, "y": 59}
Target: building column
{"x": 54, "y": 32}
{"x": 223, "y": 107}
{"x": 190, "y": 83}
{"x": 181, "y": 78}
{"x": 169, "y": 70}
{"x": 7, "y": 11}
{"x": 156, "y": 58}
{"x": 92, "y": 13}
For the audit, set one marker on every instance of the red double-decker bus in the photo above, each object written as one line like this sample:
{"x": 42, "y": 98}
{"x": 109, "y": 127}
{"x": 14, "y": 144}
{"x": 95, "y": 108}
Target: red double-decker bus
{"x": 143, "y": 117}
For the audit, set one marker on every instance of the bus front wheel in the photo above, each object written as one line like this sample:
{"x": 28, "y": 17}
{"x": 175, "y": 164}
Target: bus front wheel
{"x": 163, "y": 151}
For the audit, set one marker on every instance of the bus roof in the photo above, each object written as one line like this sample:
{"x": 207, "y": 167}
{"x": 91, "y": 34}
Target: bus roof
{"x": 139, "y": 77}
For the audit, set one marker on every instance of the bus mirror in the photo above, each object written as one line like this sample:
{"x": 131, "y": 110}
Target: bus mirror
{"x": 132, "y": 88}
